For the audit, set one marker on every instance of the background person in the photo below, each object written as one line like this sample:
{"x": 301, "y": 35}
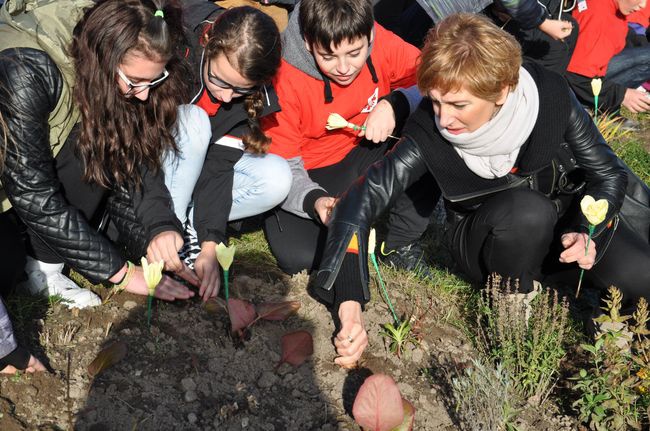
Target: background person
{"x": 86, "y": 125}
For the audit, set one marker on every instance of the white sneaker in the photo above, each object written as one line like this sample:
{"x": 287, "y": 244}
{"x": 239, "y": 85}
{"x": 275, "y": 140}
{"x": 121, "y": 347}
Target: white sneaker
{"x": 47, "y": 279}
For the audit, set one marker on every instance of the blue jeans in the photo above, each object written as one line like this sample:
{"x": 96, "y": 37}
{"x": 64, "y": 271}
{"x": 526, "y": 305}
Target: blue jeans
{"x": 631, "y": 67}
{"x": 260, "y": 181}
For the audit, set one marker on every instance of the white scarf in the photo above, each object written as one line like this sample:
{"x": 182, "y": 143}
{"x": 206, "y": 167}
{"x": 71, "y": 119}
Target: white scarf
{"x": 491, "y": 151}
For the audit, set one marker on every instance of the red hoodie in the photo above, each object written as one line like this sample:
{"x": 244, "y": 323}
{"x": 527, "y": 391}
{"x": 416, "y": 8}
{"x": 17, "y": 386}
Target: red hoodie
{"x": 299, "y": 129}
{"x": 602, "y": 32}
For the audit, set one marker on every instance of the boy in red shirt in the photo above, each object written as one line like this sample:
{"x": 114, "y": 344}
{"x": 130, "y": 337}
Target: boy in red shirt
{"x": 336, "y": 59}
{"x": 600, "y": 53}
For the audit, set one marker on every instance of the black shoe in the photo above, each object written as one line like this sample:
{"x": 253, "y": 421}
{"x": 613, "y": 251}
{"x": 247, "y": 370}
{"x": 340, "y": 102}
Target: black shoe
{"x": 409, "y": 257}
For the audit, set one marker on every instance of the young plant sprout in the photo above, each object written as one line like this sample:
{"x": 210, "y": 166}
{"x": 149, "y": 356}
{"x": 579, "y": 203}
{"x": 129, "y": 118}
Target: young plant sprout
{"x": 152, "y": 276}
{"x": 336, "y": 121}
{"x": 595, "y": 211}
{"x": 225, "y": 256}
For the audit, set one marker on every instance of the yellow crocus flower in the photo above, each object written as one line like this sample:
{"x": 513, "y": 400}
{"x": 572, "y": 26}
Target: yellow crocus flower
{"x": 594, "y": 210}
{"x": 152, "y": 273}
{"x": 225, "y": 255}
{"x": 596, "y": 85}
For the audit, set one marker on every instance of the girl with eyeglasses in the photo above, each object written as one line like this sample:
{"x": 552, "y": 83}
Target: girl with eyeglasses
{"x": 234, "y": 58}
{"x": 91, "y": 106}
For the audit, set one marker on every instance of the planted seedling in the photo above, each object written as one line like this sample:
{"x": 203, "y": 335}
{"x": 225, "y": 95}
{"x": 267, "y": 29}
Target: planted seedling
{"x": 399, "y": 336}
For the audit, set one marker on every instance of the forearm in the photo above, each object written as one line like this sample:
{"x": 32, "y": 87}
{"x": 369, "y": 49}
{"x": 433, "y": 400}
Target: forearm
{"x": 304, "y": 192}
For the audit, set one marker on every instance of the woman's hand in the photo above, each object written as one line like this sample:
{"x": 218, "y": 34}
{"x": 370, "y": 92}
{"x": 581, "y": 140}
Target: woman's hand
{"x": 574, "y": 244}
{"x": 324, "y": 207}
{"x": 352, "y": 339}
{"x": 380, "y": 123}
{"x": 207, "y": 269}
{"x": 165, "y": 247}
{"x": 557, "y": 29}
{"x": 168, "y": 289}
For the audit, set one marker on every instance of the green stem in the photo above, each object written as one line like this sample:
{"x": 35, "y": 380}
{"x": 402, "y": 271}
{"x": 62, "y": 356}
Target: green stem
{"x": 582, "y": 271}
{"x": 596, "y": 109}
{"x": 373, "y": 258}
{"x": 149, "y": 302}
{"x": 225, "y": 277}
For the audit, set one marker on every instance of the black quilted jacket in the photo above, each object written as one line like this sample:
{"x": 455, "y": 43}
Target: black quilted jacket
{"x": 33, "y": 85}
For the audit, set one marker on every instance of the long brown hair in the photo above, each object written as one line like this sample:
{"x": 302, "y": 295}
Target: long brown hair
{"x": 119, "y": 136}
{"x": 250, "y": 40}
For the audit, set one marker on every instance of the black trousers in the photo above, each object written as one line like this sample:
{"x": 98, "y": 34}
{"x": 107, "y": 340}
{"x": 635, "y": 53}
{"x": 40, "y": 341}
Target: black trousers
{"x": 12, "y": 253}
{"x": 516, "y": 234}
{"x": 297, "y": 243}
{"x": 84, "y": 197}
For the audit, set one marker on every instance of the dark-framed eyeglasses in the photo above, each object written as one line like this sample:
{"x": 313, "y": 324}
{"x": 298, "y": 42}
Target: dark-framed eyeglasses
{"x": 223, "y": 84}
{"x": 138, "y": 88}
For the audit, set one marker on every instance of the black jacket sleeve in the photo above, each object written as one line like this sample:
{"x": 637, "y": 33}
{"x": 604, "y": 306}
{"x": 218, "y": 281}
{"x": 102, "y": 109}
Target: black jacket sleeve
{"x": 362, "y": 204}
{"x": 33, "y": 85}
{"x": 213, "y": 193}
{"x": 605, "y": 173}
{"x": 528, "y": 13}
{"x": 153, "y": 205}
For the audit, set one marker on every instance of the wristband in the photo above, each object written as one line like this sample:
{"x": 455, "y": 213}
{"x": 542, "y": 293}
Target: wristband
{"x": 130, "y": 270}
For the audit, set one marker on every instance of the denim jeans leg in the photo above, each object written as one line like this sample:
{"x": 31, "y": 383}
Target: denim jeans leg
{"x": 631, "y": 67}
{"x": 260, "y": 183}
{"x": 182, "y": 170}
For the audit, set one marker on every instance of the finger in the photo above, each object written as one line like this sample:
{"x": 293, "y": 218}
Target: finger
{"x": 153, "y": 254}
{"x": 188, "y": 275}
{"x": 346, "y": 362}
{"x": 173, "y": 261}
{"x": 170, "y": 290}
{"x": 568, "y": 239}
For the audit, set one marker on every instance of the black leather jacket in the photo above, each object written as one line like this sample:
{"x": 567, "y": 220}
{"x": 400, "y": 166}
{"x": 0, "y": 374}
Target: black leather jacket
{"x": 32, "y": 84}
{"x": 370, "y": 195}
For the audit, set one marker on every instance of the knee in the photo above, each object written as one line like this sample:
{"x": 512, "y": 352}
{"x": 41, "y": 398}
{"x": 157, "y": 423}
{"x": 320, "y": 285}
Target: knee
{"x": 194, "y": 129}
{"x": 524, "y": 213}
{"x": 532, "y": 211}
{"x": 274, "y": 179}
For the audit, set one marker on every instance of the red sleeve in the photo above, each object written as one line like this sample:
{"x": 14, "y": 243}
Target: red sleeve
{"x": 399, "y": 55}
{"x": 283, "y": 127}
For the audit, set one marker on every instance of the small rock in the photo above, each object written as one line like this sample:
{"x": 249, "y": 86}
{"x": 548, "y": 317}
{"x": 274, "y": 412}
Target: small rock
{"x": 406, "y": 389}
{"x": 138, "y": 373}
{"x": 192, "y": 418}
{"x": 296, "y": 393}
{"x": 266, "y": 380}
{"x": 417, "y": 356}
{"x": 188, "y": 384}
{"x": 129, "y": 305}
{"x": 150, "y": 346}
{"x": 191, "y": 396}
{"x": 76, "y": 392}
{"x": 244, "y": 422}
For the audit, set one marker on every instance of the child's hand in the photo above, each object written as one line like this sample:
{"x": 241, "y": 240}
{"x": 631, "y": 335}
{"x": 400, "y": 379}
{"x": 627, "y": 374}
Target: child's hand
{"x": 380, "y": 123}
{"x": 324, "y": 207}
{"x": 207, "y": 269}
